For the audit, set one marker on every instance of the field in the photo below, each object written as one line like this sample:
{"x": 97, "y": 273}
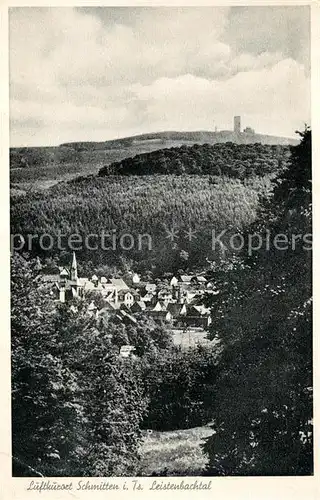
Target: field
{"x": 190, "y": 337}
{"x": 174, "y": 453}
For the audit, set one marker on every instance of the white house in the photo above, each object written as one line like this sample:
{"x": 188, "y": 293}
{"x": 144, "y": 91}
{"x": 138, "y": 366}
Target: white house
{"x": 174, "y": 281}
{"x": 125, "y": 297}
{"x": 135, "y": 279}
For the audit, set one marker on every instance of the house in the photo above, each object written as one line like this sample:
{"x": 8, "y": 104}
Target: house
{"x": 151, "y": 288}
{"x": 119, "y": 284}
{"x": 92, "y": 309}
{"x": 190, "y": 296}
{"x": 159, "y": 307}
{"x": 196, "y": 316}
{"x": 126, "y": 351}
{"x": 161, "y": 316}
{"x": 147, "y": 299}
{"x": 110, "y": 294}
{"x": 136, "y": 295}
{"x": 67, "y": 285}
{"x": 198, "y": 280}
{"x": 125, "y": 297}
{"x": 135, "y": 279}
{"x": 162, "y": 302}
{"x": 177, "y": 309}
{"x": 50, "y": 278}
{"x": 174, "y": 281}
{"x": 164, "y": 294}
{"x": 185, "y": 280}
{"x": 92, "y": 285}
{"x": 95, "y": 279}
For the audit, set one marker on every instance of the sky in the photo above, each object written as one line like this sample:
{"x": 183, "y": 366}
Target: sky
{"x": 94, "y": 74}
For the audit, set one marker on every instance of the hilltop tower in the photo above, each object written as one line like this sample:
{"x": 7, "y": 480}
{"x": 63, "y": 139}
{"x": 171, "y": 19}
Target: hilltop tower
{"x": 74, "y": 268}
{"x": 237, "y": 124}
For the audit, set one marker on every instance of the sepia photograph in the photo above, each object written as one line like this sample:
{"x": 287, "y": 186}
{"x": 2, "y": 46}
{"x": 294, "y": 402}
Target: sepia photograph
{"x": 160, "y": 244}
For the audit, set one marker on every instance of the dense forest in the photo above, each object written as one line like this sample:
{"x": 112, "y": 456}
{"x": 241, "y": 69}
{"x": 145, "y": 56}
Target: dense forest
{"x": 115, "y": 150}
{"x": 202, "y": 188}
{"x": 254, "y": 385}
{"x": 263, "y": 399}
{"x": 34, "y": 167}
{"x": 227, "y": 159}
{"x": 57, "y": 163}
{"x": 138, "y": 205}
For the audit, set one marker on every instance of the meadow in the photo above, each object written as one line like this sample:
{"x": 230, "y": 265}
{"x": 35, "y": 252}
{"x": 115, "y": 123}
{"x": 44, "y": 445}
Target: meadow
{"x": 174, "y": 453}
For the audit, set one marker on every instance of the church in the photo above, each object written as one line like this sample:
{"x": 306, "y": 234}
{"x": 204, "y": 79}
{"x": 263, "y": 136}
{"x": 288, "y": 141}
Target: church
{"x": 70, "y": 286}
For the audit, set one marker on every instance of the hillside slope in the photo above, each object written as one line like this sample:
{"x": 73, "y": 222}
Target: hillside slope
{"x": 164, "y": 139}
{"x": 138, "y": 205}
{"x": 227, "y": 159}
{"x": 118, "y": 149}
{"x": 35, "y": 168}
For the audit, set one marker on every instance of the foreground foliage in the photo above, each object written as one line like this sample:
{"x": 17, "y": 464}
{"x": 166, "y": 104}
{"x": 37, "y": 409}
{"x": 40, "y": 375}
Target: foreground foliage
{"x": 180, "y": 386}
{"x": 263, "y": 315}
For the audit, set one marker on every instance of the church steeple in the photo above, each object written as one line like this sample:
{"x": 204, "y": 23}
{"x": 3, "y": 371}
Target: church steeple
{"x": 74, "y": 268}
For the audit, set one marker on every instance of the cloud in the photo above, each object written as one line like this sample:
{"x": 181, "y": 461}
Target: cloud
{"x": 272, "y": 100}
{"x": 284, "y": 29}
{"x": 94, "y": 74}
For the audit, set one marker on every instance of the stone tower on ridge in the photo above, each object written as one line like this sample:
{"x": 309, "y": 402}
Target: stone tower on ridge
{"x": 237, "y": 124}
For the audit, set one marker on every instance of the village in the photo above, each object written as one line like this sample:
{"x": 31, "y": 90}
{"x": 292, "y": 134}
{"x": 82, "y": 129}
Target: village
{"x": 175, "y": 302}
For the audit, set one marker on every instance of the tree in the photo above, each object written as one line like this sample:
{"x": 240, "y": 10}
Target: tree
{"x": 263, "y": 316}
{"x": 148, "y": 337}
{"x": 37, "y": 376}
{"x": 180, "y": 386}
{"x": 294, "y": 184}
{"x": 183, "y": 259}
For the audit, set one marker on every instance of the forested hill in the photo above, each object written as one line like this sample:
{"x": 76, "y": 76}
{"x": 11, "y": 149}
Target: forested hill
{"x": 33, "y": 168}
{"x": 218, "y": 187}
{"x": 227, "y": 159}
{"x": 106, "y": 152}
{"x": 137, "y": 205}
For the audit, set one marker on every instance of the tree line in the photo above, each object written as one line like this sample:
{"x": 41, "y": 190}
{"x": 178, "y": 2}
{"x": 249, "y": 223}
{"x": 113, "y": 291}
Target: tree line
{"x": 223, "y": 159}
